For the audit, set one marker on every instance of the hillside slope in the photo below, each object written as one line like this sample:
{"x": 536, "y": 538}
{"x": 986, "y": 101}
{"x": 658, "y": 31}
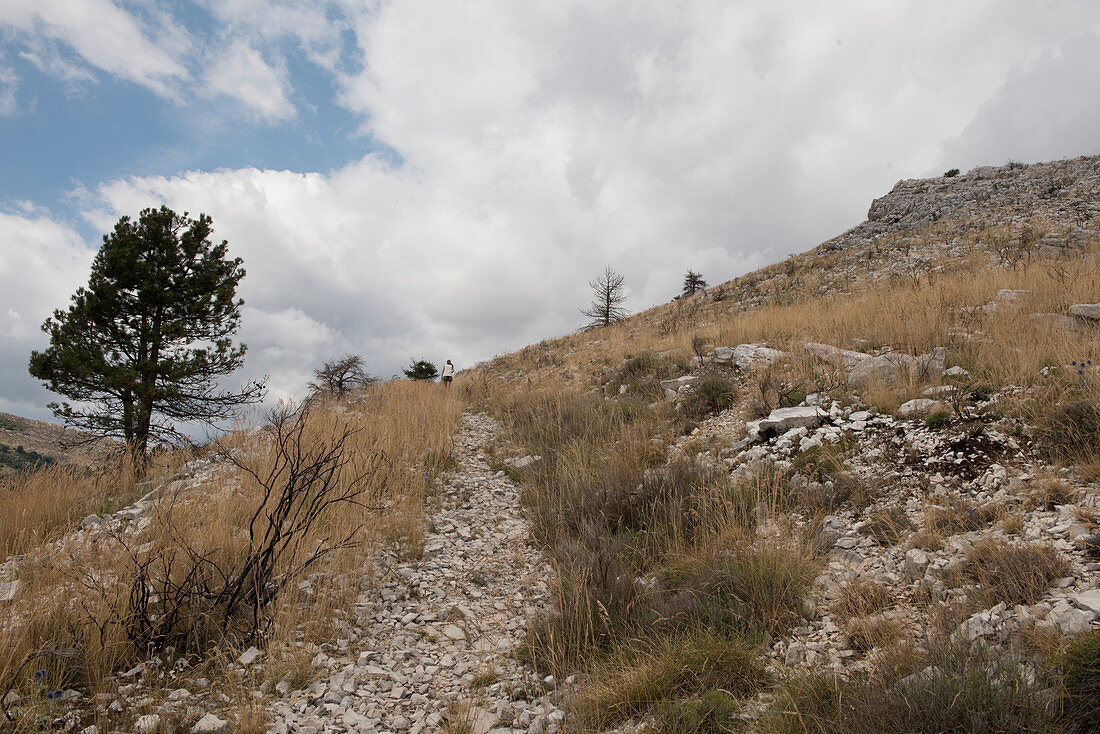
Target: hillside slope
{"x": 25, "y": 442}
{"x": 875, "y": 464}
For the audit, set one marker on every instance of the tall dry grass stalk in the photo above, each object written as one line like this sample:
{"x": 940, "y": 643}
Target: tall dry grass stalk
{"x": 76, "y": 596}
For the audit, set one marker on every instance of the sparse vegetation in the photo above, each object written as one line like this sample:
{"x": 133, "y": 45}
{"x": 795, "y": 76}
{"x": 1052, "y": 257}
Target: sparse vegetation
{"x": 963, "y": 690}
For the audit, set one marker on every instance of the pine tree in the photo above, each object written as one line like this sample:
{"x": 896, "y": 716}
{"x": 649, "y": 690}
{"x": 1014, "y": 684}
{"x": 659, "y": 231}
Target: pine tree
{"x": 693, "y": 283}
{"x": 609, "y": 294}
{"x": 141, "y": 346}
{"x": 421, "y": 369}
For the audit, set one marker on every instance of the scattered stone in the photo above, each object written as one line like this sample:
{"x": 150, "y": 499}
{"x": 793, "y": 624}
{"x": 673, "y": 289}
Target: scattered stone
{"x": 920, "y": 406}
{"x": 209, "y": 724}
{"x": 249, "y": 656}
{"x": 1090, "y": 311}
{"x": 9, "y": 590}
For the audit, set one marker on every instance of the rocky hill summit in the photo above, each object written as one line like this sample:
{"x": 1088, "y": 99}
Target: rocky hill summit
{"x": 1063, "y": 193}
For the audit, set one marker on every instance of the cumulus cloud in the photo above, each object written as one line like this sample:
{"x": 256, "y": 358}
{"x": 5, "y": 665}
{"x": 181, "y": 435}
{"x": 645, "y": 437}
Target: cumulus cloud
{"x": 105, "y": 36}
{"x": 241, "y": 72}
{"x": 42, "y": 262}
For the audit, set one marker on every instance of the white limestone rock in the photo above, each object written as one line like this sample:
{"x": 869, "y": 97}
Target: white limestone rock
{"x": 209, "y": 724}
{"x": 920, "y": 406}
{"x": 1090, "y": 311}
{"x": 783, "y": 420}
{"x": 147, "y": 724}
{"x": 9, "y": 590}
{"x": 249, "y": 656}
{"x": 679, "y": 382}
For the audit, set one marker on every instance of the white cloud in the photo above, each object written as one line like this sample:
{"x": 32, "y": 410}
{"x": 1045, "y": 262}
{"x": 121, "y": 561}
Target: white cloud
{"x": 241, "y": 72}
{"x": 9, "y": 83}
{"x": 41, "y": 264}
{"x": 106, "y": 36}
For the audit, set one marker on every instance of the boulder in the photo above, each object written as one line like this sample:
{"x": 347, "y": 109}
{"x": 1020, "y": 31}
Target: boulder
{"x": 957, "y": 372}
{"x": 896, "y": 368}
{"x": 920, "y": 406}
{"x": 748, "y": 356}
{"x": 676, "y": 384}
{"x": 782, "y": 420}
{"x": 836, "y": 356}
{"x": 1089, "y": 311}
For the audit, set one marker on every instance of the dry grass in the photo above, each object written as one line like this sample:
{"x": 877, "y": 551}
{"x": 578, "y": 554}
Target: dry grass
{"x": 39, "y": 505}
{"x": 957, "y": 514}
{"x": 1013, "y": 573}
{"x": 77, "y": 597}
{"x": 887, "y": 525}
{"x": 1048, "y": 492}
{"x": 637, "y": 676}
{"x": 867, "y": 633}
{"x": 860, "y": 598}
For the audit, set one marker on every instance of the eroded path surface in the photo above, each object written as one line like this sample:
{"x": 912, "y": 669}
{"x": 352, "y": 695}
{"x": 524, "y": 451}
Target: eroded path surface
{"x": 435, "y": 647}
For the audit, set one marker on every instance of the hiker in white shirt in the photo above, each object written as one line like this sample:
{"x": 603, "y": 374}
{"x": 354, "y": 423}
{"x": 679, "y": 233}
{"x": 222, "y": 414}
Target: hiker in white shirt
{"x": 448, "y": 373}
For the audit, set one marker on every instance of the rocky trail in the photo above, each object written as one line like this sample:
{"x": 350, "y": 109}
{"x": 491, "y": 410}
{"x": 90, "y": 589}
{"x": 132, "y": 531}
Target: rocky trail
{"x": 436, "y": 644}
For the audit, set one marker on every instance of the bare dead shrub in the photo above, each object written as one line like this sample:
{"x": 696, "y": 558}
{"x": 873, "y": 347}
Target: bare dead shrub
{"x": 188, "y": 597}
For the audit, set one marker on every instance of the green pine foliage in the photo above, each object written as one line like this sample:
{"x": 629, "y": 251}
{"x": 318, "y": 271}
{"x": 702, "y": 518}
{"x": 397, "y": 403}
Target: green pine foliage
{"x": 140, "y": 347}
{"x": 421, "y": 369}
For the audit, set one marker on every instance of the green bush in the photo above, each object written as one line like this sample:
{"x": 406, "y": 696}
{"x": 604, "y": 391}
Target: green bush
{"x": 711, "y": 393}
{"x": 640, "y": 675}
{"x": 938, "y": 419}
{"x": 962, "y": 690}
{"x": 19, "y": 458}
{"x": 951, "y": 173}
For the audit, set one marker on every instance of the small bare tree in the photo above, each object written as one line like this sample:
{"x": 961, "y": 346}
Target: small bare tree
{"x": 336, "y": 377}
{"x": 609, "y": 295}
{"x": 693, "y": 283}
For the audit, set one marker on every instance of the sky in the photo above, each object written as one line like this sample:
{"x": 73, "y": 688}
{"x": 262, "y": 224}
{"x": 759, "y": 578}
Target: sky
{"x": 441, "y": 179}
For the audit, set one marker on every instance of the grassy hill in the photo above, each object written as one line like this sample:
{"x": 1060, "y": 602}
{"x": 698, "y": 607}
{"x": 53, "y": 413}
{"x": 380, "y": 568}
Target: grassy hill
{"x": 855, "y": 491}
{"x": 721, "y": 568}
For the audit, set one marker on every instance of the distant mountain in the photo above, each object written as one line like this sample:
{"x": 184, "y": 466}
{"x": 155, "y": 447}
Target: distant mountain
{"x": 25, "y": 442}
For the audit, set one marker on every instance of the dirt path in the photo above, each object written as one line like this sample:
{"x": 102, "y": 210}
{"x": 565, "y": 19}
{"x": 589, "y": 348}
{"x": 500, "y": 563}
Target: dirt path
{"x": 440, "y": 633}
